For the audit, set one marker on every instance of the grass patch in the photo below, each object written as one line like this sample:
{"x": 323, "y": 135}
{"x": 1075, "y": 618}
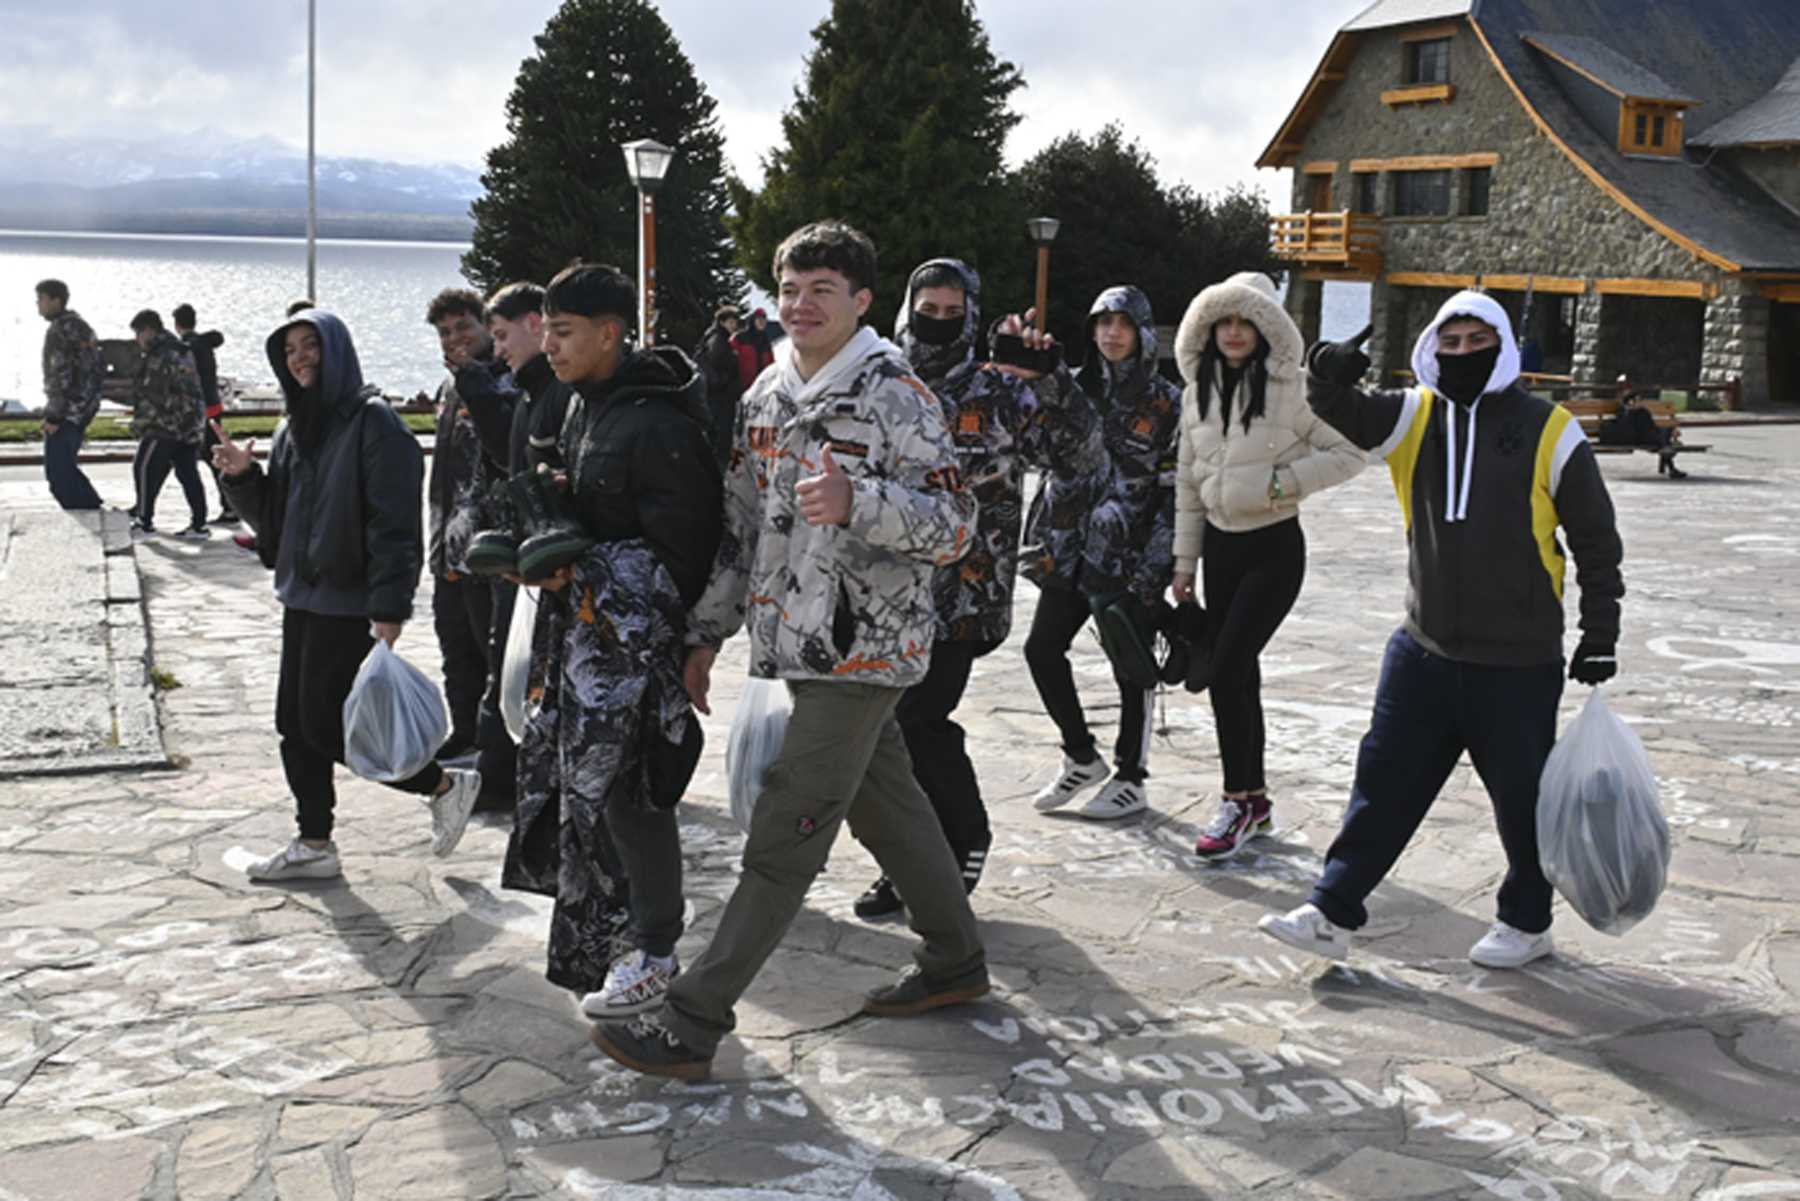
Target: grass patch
{"x": 108, "y": 428}
{"x": 163, "y": 679}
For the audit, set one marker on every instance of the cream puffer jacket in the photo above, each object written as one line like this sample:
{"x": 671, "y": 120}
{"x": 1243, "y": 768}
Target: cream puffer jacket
{"x": 1225, "y": 472}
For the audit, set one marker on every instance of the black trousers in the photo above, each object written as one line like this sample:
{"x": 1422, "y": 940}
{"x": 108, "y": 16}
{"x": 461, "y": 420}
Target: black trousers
{"x": 938, "y": 746}
{"x": 1250, "y": 582}
{"x": 319, "y": 659}
{"x": 462, "y": 612}
{"x": 1428, "y": 711}
{"x": 155, "y": 457}
{"x": 1061, "y": 612}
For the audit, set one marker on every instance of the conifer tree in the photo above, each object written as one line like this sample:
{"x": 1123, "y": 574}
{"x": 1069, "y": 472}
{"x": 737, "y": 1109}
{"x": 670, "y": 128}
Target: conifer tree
{"x": 607, "y": 72}
{"x": 898, "y": 127}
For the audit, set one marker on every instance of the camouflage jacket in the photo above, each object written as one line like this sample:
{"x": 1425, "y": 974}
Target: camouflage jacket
{"x": 166, "y": 400}
{"x": 849, "y": 602}
{"x": 1129, "y": 541}
{"x": 461, "y": 473}
{"x": 73, "y": 369}
{"x": 1000, "y": 425}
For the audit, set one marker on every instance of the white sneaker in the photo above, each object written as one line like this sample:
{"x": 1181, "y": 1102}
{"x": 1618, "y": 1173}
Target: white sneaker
{"x": 1076, "y": 779}
{"x": 1503, "y": 946}
{"x": 1309, "y": 930}
{"x": 450, "y": 810}
{"x": 1120, "y": 798}
{"x": 634, "y": 984}
{"x": 297, "y": 861}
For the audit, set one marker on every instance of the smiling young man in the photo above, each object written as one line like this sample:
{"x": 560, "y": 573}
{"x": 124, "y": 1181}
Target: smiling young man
{"x": 1485, "y": 473}
{"x": 842, "y": 499}
{"x": 612, "y": 738}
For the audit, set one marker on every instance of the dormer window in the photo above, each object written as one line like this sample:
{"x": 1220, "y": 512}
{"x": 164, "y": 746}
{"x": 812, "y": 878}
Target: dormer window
{"x": 1650, "y": 127}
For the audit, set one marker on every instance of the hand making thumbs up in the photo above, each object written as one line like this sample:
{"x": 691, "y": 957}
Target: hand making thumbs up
{"x": 228, "y": 456}
{"x": 825, "y": 498}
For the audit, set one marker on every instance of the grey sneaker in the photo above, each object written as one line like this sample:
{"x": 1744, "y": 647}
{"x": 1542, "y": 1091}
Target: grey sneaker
{"x": 297, "y": 861}
{"x": 1309, "y": 930}
{"x": 634, "y": 985}
{"x": 450, "y": 810}
{"x": 913, "y": 994}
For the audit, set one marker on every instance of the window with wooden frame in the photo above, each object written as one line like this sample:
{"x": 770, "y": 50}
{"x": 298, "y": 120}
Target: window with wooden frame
{"x": 1421, "y": 193}
{"x": 1649, "y": 127}
{"x": 1318, "y": 193}
{"x": 1426, "y": 61}
{"x": 1477, "y": 183}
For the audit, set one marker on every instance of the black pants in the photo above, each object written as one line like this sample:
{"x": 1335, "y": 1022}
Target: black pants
{"x": 319, "y": 659}
{"x": 69, "y": 484}
{"x": 937, "y": 744}
{"x": 462, "y": 611}
{"x": 206, "y": 448}
{"x": 1061, "y": 612}
{"x": 499, "y": 761}
{"x": 1250, "y": 582}
{"x": 155, "y": 456}
{"x": 1428, "y": 710}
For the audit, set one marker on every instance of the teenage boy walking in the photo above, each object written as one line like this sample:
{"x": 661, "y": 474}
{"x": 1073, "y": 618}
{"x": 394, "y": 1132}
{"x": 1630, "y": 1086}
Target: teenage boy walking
{"x": 73, "y": 373}
{"x": 206, "y": 362}
{"x": 1485, "y": 473}
{"x": 168, "y": 415}
{"x": 842, "y": 498}
{"x": 1002, "y": 420}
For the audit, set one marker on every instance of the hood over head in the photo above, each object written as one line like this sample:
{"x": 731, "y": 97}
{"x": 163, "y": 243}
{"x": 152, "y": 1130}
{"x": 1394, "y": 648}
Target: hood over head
{"x": 1483, "y": 308}
{"x": 934, "y": 363}
{"x": 1250, "y": 295}
{"x": 340, "y": 371}
{"x": 1130, "y": 300}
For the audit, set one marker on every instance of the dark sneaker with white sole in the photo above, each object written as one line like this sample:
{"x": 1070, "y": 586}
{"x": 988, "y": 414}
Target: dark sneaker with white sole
{"x": 879, "y": 901}
{"x": 645, "y": 1045}
{"x": 913, "y": 994}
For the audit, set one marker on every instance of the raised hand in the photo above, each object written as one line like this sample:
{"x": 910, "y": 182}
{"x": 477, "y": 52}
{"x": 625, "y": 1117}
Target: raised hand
{"x": 228, "y": 456}
{"x": 1342, "y": 363}
{"x": 825, "y": 498}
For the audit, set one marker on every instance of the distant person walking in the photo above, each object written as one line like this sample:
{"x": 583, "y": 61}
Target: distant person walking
{"x": 1251, "y": 449}
{"x": 717, "y": 358}
{"x": 167, "y": 417}
{"x": 336, "y": 514}
{"x": 73, "y": 373}
{"x": 207, "y": 364}
{"x": 755, "y": 348}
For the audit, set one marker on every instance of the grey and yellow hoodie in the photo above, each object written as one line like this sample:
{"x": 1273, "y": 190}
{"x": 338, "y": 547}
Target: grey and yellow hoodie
{"x": 1484, "y": 486}
{"x": 850, "y": 602}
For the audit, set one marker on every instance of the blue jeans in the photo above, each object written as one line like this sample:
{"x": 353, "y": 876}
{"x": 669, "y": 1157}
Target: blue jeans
{"x": 68, "y": 483}
{"x": 1428, "y": 710}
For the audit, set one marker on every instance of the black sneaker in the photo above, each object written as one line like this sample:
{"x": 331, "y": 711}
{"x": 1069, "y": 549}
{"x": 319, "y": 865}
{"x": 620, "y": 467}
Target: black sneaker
{"x": 195, "y": 533}
{"x": 972, "y": 862}
{"x": 913, "y": 994}
{"x": 880, "y": 901}
{"x": 644, "y": 1045}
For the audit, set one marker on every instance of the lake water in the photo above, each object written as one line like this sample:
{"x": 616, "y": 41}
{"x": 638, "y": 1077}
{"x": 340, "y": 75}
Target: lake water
{"x": 239, "y": 286}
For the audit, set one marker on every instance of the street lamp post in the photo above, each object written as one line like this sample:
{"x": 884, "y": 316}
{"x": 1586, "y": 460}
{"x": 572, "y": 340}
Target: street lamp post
{"x": 647, "y": 162}
{"x": 312, "y": 178}
{"x": 1043, "y": 232}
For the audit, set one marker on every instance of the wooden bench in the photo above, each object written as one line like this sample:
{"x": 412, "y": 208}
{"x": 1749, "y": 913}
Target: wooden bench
{"x": 1590, "y": 412}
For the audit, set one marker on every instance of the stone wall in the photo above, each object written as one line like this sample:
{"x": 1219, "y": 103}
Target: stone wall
{"x": 1737, "y": 342}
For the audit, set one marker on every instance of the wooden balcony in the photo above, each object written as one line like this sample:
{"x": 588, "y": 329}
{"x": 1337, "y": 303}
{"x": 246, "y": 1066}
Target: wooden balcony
{"x": 1331, "y": 245}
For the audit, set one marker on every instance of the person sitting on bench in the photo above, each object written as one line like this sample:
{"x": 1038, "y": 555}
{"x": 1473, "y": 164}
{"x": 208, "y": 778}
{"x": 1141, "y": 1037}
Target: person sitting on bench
{"x": 1635, "y": 425}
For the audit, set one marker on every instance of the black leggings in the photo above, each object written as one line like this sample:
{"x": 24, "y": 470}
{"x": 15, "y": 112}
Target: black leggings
{"x": 1061, "y": 612}
{"x": 1251, "y": 581}
{"x": 155, "y": 456}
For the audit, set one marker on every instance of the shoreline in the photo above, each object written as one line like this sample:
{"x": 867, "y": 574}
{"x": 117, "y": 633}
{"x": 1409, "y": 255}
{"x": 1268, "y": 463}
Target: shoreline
{"x": 249, "y": 239}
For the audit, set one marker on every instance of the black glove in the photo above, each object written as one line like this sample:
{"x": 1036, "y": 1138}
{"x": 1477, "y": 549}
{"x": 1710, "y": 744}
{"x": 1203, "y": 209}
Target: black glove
{"x": 1593, "y": 664}
{"x": 1340, "y": 363}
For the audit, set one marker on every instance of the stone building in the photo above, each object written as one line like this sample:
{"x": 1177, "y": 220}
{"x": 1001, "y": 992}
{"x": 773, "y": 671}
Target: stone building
{"x": 1623, "y": 176}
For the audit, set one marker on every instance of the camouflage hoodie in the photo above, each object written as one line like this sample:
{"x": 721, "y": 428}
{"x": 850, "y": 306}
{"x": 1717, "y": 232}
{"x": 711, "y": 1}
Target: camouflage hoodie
{"x": 1000, "y": 424}
{"x": 849, "y": 602}
{"x": 166, "y": 401}
{"x": 73, "y": 369}
{"x": 1129, "y": 540}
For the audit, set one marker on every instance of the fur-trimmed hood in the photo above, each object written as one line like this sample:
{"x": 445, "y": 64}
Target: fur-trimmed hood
{"x": 1250, "y": 295}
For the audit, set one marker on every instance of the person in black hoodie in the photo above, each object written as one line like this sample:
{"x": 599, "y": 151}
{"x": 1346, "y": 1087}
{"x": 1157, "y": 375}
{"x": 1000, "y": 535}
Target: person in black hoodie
{"x": 206, "y": 362}
{"x": 336, "y": 515}
{"x": 1485, "y": 473}
{"x": 595, "y": 825}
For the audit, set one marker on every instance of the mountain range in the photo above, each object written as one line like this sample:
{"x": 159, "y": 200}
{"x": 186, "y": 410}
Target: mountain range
{"x": 207, "y": 183}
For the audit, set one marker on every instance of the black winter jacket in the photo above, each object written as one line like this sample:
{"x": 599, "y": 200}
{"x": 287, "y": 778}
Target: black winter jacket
{"x": 338, "y": 519}
{"x": 641, "y": 464}
{"x": 519, "y": 416}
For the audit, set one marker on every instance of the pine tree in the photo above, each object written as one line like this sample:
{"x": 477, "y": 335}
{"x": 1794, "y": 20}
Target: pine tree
{"x": 607, "y": 72}
{"x": 898, "y": 128}
{"x": 1120, "y": 225}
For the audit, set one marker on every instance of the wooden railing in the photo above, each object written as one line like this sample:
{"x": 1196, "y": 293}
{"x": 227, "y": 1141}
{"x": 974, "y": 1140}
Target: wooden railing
{"x": 1342, "y": 243}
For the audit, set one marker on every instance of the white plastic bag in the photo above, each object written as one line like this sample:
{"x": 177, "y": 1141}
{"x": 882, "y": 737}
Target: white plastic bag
{"x": 395, "y": 718}
{"x": 1602, "y": 838}
{"x": 756, "y": 734}
{"x": 515, "y": 668}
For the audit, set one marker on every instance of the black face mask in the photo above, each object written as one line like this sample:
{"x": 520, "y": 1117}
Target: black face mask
{"x": 935, "y": 331}
{"x": 1463, "y": 377}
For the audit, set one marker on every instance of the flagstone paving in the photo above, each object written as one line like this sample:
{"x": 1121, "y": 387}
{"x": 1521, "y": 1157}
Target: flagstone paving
{"x": 169, "y": 1030}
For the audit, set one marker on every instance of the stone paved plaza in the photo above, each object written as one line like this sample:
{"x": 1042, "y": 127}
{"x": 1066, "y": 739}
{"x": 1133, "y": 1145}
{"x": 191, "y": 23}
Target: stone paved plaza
{"x": 169, "y": 1030}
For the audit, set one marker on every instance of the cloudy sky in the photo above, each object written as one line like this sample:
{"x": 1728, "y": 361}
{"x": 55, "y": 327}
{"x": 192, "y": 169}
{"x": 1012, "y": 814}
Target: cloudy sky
{"x": 1202, "y": 83}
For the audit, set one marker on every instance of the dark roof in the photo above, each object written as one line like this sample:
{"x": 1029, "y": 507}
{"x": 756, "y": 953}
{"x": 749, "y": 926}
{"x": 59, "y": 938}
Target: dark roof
{"x": 1726, "y": 53}
{"x": 1606, "y": 66}
{"x": 1772, "y": 118}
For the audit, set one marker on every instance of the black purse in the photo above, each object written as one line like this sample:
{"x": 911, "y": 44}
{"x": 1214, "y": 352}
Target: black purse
{"x": 1193, "y": 628}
